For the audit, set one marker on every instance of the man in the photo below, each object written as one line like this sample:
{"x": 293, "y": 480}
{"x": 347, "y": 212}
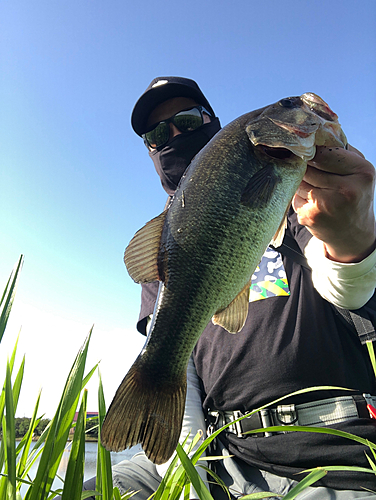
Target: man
{"x": 293, "y": 338}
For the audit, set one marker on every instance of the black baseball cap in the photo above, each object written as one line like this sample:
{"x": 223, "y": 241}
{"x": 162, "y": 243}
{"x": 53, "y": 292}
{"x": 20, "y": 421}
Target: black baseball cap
{"x": 161, "y": 89}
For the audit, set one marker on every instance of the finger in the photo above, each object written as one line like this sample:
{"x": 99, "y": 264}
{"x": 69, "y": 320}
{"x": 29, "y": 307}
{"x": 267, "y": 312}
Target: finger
{"x": 351, "y": 148}
{"x": 338, "y": 160}
{"x": 317, "y": 178}
{"x": 298, "y": 202}
{"x": 306, "y": 209}
{"x": 304, "y": 189}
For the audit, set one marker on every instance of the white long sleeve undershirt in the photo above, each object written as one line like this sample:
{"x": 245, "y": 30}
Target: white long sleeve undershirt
{"x": 348, "y": 286}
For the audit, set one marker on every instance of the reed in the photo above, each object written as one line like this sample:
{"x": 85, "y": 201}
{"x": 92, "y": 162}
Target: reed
{"x": 16, "y": 459}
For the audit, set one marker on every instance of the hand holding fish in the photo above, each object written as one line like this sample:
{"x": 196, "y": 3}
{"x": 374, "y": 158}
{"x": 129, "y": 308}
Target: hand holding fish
{"x": 335, "y": 202}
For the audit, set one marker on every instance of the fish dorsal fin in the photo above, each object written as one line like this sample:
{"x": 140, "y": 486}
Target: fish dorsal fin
{"x": 260, "y": 187}
{"x": 141, "y": 255}
{"x": 233, "y": 317}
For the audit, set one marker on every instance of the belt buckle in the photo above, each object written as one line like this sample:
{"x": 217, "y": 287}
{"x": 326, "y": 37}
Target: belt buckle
{"x": 235, "y": 427}
{"x": 286, "y": 414}
{"x": 266, "y": 420}
{"x": 213, "y": 419}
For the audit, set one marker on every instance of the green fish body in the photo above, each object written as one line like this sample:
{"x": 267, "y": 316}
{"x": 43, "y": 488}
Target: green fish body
{"x": 230, "y": 205}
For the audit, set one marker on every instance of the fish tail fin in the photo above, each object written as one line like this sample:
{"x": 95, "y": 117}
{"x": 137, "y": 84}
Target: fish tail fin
{"x": 147, "y": 412}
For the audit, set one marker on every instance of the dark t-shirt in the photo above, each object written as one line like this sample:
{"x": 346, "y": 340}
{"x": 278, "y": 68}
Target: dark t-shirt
{"x": 292, "y": 340}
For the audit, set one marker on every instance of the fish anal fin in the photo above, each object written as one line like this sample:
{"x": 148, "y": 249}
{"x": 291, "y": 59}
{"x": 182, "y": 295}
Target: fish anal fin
{"x": 141, "y": 255}
{"x": 280, "y": 234}
{"x": 260, "y": 187}
{"x": 143, "y": 412}
{"x": 233, "y": 317}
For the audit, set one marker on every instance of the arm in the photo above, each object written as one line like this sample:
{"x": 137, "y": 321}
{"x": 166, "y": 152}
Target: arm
{"x": 348, "y": 286}
{"x": 335, "y": 203}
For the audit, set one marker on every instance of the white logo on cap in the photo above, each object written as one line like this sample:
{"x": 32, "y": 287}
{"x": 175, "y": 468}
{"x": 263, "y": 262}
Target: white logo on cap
{"x": 159, "y": 82}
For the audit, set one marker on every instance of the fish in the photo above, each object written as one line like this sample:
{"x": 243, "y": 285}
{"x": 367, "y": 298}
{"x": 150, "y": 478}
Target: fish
{"x": 231, "y": 203}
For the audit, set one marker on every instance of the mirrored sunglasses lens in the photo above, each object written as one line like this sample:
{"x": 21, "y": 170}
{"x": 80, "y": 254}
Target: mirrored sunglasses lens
{"x": 158, "y": 136}
{"x": 189, "y": 120}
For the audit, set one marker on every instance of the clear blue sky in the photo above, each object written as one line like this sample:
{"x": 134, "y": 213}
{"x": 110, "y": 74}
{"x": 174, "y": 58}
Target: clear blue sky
{"x": 76, "y": 182}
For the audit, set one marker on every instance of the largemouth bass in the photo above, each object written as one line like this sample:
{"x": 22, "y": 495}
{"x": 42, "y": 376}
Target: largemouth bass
{"x": 230, "y": 205}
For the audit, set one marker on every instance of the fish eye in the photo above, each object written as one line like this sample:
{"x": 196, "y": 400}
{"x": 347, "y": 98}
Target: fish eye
{"x": 286, "y": 103}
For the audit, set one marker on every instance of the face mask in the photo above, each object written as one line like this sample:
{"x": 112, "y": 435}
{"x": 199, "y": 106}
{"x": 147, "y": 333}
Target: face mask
{"x": 172, "y": 161}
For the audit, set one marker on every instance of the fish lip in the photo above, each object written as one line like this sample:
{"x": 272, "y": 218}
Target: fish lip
{"x": 319, "y": 106}
{"x": 300, "y": 130}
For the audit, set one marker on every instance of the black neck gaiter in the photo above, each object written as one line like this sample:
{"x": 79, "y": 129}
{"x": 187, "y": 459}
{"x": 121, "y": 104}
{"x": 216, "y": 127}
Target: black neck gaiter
{"x": 172, "y": 161}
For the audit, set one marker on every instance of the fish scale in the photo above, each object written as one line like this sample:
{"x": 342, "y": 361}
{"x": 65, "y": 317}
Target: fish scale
{"x": 203, "y": 249}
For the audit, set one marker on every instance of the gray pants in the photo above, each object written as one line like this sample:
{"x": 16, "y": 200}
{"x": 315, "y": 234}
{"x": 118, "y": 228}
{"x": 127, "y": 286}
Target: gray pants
{"x": 141, "y": 474}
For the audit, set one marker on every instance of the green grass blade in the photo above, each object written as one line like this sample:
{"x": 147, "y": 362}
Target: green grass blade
{"x": 312, "y": 478}
{"x": 88, "y": 376}
{"x": 319, "y": 430}
{"x": 17, "y": 384}
{"x": 193, "y": 475}
{"x": 89, "y": 493}
{"x": 38, "y": 447}
{"x": 173, "y": 481}
{"x": 125, "y": 496}
{"x": 194, "y": 441}
{"x": 371, "y": 353}
{"x": 175, "y": 484}
{"x": 345, "y": 468}
{"x": 10, "y": 437}
{"x": 26, "y": 443}
{"x": 8, "y": 445}
{"x": 8, "y": 296}
{"x": 4, "y": 477}
{"x": 372, "y": 462}
{"x": 59, "y": 428}
{"x": 75, "y": 470}
{"x": 261, "y": 495}
{"x": 216, "y": 478}
{"x": 117, "y": 495}
{"x": 2, "y": 404}
{"x": 14, "y": 352}
{"x": 104, "y": 472}
{"x": 166, "y": 483}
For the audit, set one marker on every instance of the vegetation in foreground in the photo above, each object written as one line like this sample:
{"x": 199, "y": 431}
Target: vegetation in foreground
{"x": 22, "y": 424}
{"x": 17, "y": 457}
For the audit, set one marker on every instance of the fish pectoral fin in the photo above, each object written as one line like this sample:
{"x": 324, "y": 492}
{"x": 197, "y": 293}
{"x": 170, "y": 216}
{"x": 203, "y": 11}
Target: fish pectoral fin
{"x": 145, "y": 412}
{"x": 141, "y": 255}
{"x": 260, "y": 187}
{"x": 233, "y": 317}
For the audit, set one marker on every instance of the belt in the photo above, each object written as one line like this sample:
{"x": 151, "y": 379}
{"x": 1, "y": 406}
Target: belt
{"x": 316, "y": 413}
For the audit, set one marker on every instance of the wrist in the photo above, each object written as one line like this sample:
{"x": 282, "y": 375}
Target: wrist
{"x": 352, "y": 254}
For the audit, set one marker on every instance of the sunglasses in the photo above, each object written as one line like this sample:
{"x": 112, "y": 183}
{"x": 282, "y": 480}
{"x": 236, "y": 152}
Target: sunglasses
{"x": 185, "y": 121}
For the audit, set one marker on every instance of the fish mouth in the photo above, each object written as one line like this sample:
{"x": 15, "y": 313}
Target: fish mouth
{"x": 280, "y": 153}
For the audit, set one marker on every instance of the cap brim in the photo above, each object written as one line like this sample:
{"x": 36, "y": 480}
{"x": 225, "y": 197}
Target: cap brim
{"x": 155, "y": 96}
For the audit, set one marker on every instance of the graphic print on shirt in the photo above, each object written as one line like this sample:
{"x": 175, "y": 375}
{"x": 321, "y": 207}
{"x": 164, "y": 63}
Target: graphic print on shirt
{"x": 269, "y": 278}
